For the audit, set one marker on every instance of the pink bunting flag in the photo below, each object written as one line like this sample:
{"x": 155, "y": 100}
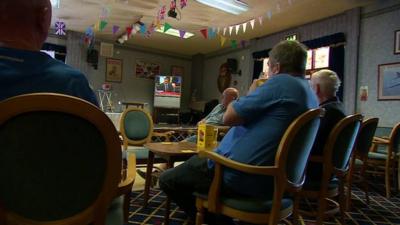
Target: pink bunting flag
{"x": 204, "y": 32}
{"x": 183, "y": 3}
{"x": 172, "y": 5}
{"x": 161, "y": 13}
{"x": 182, "y": 33}
{"x": 60, "y": 28}
{"x": 115, "y": 29}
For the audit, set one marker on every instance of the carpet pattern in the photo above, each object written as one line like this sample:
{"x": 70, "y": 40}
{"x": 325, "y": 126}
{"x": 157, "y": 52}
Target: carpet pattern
{"x": 380, "y": 211}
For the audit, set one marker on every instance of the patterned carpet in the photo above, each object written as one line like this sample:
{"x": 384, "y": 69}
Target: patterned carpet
{"x": 380, "y": 211}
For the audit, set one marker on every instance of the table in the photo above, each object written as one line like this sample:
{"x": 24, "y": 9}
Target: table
{"x": 179, "y": 133}
{"x": 172, "y": 152}
{"x": 136, "y": 104}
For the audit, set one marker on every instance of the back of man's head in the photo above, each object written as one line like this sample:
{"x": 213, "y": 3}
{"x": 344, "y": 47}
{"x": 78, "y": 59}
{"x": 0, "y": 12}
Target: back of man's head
{"x": 328, "y": 82}
{"x": 24, "y": 23}
{"x": 291, "y": 57}
{"x": 229, "y": 95}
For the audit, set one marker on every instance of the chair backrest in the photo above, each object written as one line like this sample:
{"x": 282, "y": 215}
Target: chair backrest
{"x": 365, "y": 135}
{"x": 136, "y": 126}
{"x": 340, "y": 144}
{"x": 395, "y": 138}
{"x": 295, "y": 147}
{"x": 209, "y": 106}
{"x": 60, "y": 160}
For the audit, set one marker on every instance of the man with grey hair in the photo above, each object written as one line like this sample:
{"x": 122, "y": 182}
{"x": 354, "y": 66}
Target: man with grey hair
{"x": 258, "y": 122}
{"x": 326, "y": 84}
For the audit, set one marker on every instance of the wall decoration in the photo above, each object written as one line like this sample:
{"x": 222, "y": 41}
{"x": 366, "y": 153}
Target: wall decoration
{"x": 113, "y": 70}
{"x": 389, "y": 81}
{"x": 146, "y": 69}
{"x": 363, "y": 93}
{"x": 224, "y": 77}
{"x": 177, "y": 71}
{"x": 397, "y": 42}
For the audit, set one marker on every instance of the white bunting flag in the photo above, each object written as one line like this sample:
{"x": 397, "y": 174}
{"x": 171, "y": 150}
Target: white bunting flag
{"x": 252, "y": 23}
{"x": 260, "y": 19}
{"x": 230, "y": 30}
{"x": 237, "y": 29}
{"x": 224, "y": 31}
{"x": 269, "y": 14}
{"x": 244, "y": 27}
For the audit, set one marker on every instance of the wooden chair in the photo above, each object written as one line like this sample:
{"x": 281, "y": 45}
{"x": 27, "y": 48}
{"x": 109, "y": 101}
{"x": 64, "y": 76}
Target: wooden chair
{"x": 136, "y": 128}
{"x": 385, "y": 160}
{"x": 335, "y": 161}
{"x": 60, "y": 161}
{"x": 288, "y": 173}
{"x": 360, "y": 156}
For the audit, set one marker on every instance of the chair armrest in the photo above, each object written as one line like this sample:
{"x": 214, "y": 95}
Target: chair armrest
{"x": 380, "y": 140}
{"x": 262, "y": 170}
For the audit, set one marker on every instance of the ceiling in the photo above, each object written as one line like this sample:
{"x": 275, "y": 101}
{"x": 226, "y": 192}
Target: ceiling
{"x": 80, "y": 14}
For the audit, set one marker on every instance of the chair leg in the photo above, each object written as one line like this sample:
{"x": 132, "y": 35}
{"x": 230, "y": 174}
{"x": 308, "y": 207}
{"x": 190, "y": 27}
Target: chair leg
{"x": 342, "y": 200}
{"x": 350, "y": 182}
{"x": 364, "y": 181}
{"x": 126, "y": 207}
{"x": 296, "y": 219}
{"x": 200, "y": 216}
{"x": 321, "y": 210}
{"x": 387, "y": 179}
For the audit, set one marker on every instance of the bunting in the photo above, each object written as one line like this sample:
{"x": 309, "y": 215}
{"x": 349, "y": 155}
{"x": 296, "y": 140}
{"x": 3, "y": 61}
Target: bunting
{"x": 115, "y": 29}
{"x": 237, "y": 28}
{"x": 252, "y": 23}
{"x": 222, "y": 40}
{"x": 260, "y": 20}
{"x": 204, "y": 32}
{"x": 182, "y": 33}
{"x": 103, "y": 25}
{"x": 244, "y": 27}
{"x": 167, "y": 26}
{"x": 230, "y": 30}
{"x": 60, "y": 28}
{"x": 233, "y": 44}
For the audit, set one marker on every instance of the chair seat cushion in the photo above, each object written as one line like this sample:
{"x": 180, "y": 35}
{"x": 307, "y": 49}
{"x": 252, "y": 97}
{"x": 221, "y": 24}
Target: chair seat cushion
{"x": 377, "y": 155}
{"x": 140, "y": 152}
{"x": 315, "y": 185}
{"x": 249, "y": 204}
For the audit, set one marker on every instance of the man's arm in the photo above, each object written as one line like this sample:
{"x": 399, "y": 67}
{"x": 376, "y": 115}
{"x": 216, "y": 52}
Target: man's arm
{"x": 231, "y": 117}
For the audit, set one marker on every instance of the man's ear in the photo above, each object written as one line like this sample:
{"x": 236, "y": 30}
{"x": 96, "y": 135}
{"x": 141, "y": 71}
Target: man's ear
{"x": 277, "y": 68}
{"x": 317, "y": 89}
{"x": 44, "y": 19}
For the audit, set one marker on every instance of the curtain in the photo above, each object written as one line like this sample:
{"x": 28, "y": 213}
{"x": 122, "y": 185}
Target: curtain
{"x": 336, "y": 63}
{"x": 258, "y": 67}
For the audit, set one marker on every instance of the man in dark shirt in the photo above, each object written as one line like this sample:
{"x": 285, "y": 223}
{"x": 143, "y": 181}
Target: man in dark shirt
{"x": 325, "y": 84}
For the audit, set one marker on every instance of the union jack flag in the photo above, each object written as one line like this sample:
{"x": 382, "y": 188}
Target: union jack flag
{"x": 183, "y": 3}
{"x": 60, "y": 28}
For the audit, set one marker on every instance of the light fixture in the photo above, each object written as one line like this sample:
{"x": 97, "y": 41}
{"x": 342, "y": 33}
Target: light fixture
{"x": 174, "y": 32}
{"x": 55, "y": 3}
{"x": 231, "y": 6}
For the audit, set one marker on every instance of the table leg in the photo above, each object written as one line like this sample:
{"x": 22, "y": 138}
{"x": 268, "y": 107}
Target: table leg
{"x": 170, "y": 164}
{"x": 147, "y": 183}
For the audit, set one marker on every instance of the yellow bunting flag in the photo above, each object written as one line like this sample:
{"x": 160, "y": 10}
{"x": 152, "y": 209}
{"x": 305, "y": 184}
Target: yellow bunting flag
{"x": 223, "y": 39}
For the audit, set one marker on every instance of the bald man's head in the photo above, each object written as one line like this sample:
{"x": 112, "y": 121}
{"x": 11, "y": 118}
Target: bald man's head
{"x": 229, "y": 95}
{"x": 24, "y": 23}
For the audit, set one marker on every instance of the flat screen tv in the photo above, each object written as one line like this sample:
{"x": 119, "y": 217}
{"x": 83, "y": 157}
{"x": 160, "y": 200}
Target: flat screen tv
{"x": 167, "y": 91}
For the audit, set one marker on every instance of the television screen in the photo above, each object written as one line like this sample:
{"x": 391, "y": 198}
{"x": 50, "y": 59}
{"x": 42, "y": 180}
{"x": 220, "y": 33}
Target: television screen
{"x": 50, "y": 53}
{"x": 167, "y": 91}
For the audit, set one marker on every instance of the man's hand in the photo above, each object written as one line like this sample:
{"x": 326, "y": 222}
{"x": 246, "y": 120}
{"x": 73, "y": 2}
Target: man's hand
{"x": 254, "y": 85}
{"x": 200, "y": 122}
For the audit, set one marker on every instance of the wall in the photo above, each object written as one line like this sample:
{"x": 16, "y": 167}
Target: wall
{"x": 347, "y": 23}
{"x": 131, "y": 88}
{"x": 211, "y": 72}
{"x": 378, "y": 25}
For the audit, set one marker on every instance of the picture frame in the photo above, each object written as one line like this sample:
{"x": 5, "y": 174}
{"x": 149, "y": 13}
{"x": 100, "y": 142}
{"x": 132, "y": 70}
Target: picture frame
{"x": 389, "y": 81}
{"x": 177, "y": 71}
{"x": 397, "y": 42}
{"x": 147, "y": 70}
{"x": 114, "y": 70}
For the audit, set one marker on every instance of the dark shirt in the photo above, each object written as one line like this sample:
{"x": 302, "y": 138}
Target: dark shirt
{"x": 334, "y": 112}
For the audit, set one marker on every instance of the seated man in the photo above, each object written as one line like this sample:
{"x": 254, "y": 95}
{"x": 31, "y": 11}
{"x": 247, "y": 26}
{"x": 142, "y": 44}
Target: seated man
{"x": 325, "y": 83}
{"x": 24, "y": 69}
{"x": 259, "y": 120}
{"x": 215, "y": 117}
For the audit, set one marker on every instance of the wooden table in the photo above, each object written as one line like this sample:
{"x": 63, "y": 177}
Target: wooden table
{"x": 172, "y": 152}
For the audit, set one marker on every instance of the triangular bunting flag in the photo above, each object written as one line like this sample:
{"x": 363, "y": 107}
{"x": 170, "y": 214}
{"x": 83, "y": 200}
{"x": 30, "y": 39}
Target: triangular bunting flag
{"x": 204, "y": 32}
{"x": 252, "y": 23}
{"x": 223, "y": 39}
{"x": 211, "y": 33}
{"x": 237, "y": 29}
{"x": 269, "y": 14}
{"x": 60, "y": 28}
{"x": 244, "y": 27}
{"x": 103, "y": 25}
{"x": 218, "y": 30}
{"x": 115, "y": 29}
{"x": 89, "y": 31}
{"x": 167, "y": 26}
{"x": 182, "y": 33}
{"x": 260, "y": 19}
{"x": 129, "y": 31}
{"x": 230, "y": 30}
{"x": 224, "y": 31}
{"x": 233, "y": 44}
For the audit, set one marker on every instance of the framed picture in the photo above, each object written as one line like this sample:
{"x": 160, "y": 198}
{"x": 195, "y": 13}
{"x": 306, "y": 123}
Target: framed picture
{"x": 177, "y": 71}
{"x": 146, "y": 69}
{"x": 113, "y": 70}
{"x": 389, "y": 81}
{"x": 397, "y": 42}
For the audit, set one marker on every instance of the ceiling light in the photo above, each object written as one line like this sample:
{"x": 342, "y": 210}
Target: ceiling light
{"x": 231, "y": 6}
{"x": 174, "y": 32}
{"x": 55, "y": 3}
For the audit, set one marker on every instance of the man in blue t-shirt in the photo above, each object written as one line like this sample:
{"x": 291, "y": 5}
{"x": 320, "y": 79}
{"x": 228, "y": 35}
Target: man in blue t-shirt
{"x": 259, "y": 121}
{"x": 23, "y": 68}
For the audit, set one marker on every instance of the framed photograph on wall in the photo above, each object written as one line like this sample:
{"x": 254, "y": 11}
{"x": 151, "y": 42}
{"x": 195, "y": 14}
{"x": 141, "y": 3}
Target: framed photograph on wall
{"x": 389, "y": 81}
{"x": 146, "y": 70}
{"x": 113, "y": 70}
{"x": 397, "y": 42}
{"x": 177, "y": 71}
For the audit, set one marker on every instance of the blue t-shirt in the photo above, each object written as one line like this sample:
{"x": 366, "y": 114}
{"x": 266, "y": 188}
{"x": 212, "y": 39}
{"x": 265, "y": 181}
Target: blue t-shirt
{"x": 267, "y": 112}
{"x": 23, "y": 72}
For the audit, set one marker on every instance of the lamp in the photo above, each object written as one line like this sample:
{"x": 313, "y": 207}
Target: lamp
{"x": 231, "y": 6}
